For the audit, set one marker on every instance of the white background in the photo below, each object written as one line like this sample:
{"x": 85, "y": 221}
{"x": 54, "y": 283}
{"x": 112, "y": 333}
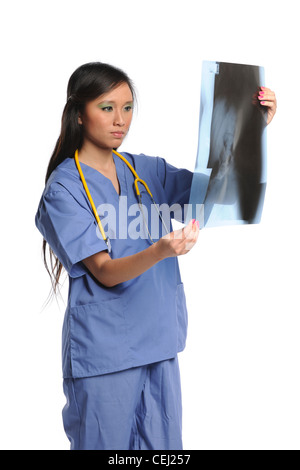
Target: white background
{"x": 240, "y": 370}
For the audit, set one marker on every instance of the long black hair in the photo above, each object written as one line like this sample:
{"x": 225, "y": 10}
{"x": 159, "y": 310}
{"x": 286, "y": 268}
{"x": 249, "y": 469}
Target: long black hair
{"x": 88, "y": 82}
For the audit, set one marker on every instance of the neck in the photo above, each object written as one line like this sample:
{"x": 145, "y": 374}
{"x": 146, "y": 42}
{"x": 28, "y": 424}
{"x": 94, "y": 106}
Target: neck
{"x": 96, "y": 157}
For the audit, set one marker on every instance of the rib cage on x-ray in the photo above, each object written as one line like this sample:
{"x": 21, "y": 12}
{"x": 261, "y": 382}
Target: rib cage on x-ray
{"x": 230, "y": 172}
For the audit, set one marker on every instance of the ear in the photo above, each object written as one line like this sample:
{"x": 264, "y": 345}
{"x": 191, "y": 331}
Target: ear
{"x": 79, "y": 120}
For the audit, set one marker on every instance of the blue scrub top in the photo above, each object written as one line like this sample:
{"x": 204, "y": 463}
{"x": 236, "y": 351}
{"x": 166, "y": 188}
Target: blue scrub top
{"x": 137, "y": 322}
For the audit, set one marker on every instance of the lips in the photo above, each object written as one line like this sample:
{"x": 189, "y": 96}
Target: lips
{"x": 118, "y": 134}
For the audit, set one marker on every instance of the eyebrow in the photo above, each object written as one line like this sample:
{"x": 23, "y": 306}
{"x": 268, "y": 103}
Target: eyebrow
{"x": 113, "y": 102}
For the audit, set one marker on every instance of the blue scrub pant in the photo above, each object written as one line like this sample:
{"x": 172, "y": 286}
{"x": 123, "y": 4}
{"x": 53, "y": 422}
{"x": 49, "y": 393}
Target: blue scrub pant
{"x": 135, "y": 409}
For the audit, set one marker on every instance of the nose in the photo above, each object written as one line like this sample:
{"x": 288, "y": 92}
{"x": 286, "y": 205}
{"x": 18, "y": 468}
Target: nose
{"x": 118, "y": 118}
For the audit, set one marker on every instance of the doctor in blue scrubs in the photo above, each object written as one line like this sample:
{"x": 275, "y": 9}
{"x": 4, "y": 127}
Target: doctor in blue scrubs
{"x": 126, "y": 317}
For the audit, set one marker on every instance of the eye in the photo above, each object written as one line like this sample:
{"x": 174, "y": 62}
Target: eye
{"x": 107, "y": 108}
{"x": 128, "y": 108}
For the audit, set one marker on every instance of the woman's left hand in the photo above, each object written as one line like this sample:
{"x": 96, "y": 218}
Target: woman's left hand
{"x": 267, "y": 98}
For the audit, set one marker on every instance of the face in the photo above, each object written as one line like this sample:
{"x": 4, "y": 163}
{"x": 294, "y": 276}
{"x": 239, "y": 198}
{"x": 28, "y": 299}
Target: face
{"x": 106, "y": 120}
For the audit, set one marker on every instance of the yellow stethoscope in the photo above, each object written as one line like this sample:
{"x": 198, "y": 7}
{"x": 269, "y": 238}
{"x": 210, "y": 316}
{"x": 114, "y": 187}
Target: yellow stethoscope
{"x": 138, "y": 193}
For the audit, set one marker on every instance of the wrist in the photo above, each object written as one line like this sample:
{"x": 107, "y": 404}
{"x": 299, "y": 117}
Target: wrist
{"x": 157, "y": 251}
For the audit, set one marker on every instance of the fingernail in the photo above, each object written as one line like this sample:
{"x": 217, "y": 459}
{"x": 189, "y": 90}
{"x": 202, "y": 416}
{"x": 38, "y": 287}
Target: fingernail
{"x": 198, "y": 223}
{"x": 194, "y": 221}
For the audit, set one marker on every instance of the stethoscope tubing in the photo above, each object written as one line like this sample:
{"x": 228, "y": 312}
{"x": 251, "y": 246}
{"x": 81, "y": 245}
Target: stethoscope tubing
{"x": 138, "y": 193}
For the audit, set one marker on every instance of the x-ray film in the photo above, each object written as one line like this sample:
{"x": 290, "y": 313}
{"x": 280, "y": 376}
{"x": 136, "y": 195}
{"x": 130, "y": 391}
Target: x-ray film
{"x": 229, "y": 180}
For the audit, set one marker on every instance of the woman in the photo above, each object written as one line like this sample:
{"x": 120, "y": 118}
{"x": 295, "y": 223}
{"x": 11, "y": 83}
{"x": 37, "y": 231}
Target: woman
{"x": 126, "y": 316}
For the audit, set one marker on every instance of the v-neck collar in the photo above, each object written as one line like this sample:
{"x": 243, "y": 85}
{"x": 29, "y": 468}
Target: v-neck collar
{"x": 120, "y": 169}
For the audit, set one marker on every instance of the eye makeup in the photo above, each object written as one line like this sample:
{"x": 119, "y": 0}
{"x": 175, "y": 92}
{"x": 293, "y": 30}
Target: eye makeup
{"x": 104, "y": 105}
{"x": 107, "y": 104}
{"x": 129, "y": 105}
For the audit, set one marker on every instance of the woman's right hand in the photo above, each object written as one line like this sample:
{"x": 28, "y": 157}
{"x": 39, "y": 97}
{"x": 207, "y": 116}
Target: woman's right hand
{"x": 178, "y": 242}
{"x": 111, "y": 272}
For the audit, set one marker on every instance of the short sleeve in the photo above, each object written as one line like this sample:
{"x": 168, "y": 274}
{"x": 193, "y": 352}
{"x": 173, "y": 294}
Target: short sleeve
{"x": 70, "y": 229}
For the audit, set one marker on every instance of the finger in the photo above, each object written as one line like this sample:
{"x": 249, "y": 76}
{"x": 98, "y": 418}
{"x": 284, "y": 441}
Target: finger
{"x": 180, "y": 233}
{"x": 193, "y": 235}
{"x": 266, "y": 95}
{"x": 266, "y": 103}
{"x": 184, "y": 245}
{"x": 265, "y": 89}
{"x": 268, "y": 99}
{"x": 271, "y": 99}
{"x": 192, "y": 242}
{"x": 191, "y": 229}
{"x": 269, "y": 104}
{"x": 183, "y": 232}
